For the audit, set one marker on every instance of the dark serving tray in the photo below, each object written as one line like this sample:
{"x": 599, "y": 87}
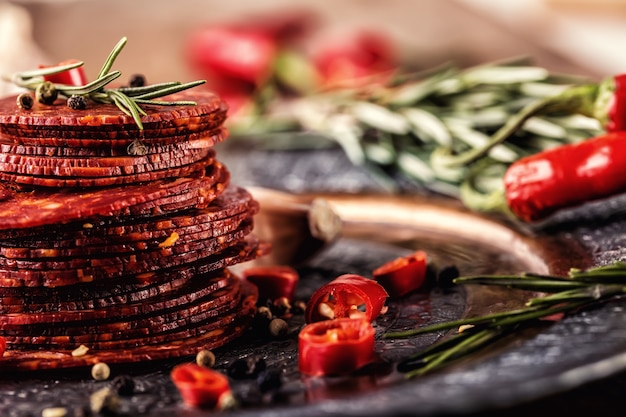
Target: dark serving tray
{"x": 573, "y": 355}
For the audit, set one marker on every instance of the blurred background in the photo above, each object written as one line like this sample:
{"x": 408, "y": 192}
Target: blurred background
{"x": 575, "y": 36}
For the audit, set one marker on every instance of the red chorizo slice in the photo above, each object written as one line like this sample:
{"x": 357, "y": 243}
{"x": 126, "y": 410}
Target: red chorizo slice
{"x": 96, "y": 296}
{"x": 42, "y": 207}
{"x": 209, "y": 336}
{"x": 103, "y": 117}
{"x": 240, "y": 252}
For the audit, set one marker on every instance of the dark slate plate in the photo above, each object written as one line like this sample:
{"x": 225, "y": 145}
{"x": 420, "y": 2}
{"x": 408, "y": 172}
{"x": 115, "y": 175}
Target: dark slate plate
{"x": 564, "y": 356}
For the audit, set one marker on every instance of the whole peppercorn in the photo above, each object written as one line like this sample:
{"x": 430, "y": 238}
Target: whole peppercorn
{"x": 46, "y": 93}
{"x": 278, "y": 327}
{"x": 124, "y": 385}
{"x": 205, "y": 358}
{"x": 25, "y": 101}
{"x": 77, "y": 102}
{"x": 100, "y": 371}
{"x": 137, "y": 80}
{"x": 269, "y": 380}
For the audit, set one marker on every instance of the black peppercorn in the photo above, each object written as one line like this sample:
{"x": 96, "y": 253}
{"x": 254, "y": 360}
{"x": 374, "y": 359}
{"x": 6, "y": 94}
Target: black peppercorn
{"x": 77, "y": 103}
{"x": 124, "y": 385}
{"x": 137, "y": 80}
{"x": 269, "y": 380}
{"x": 446, "y": 275}
{"x": 25, "y": 101}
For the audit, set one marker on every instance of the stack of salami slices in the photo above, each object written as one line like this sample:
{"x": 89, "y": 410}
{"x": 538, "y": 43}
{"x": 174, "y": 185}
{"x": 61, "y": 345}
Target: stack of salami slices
{"x": 119, "y": 239}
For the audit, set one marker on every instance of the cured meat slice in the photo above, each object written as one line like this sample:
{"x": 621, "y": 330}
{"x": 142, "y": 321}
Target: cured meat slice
{"x": 99, "y": 149}
{"x": 87, "y": 257}
{"x": 240, "y": 252}
{"x": 227, "y": 329}
{"x": 185, "y": 302}
{"x": 98, "y": 118}
{"x": 233, "y": 201}
{"x": 42, "y": 207}
{"x": 89, "y": 296}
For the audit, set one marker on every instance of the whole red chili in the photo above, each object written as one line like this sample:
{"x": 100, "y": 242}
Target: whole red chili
{"x": 200, "y": 386}
{"x": 335, "y": 347}
{"x": 354, "y": 58}
{"x": 273, "y": 281}
{"x": 566, "y": 176}
{"x": 402, "y": 275}
{"x": 348, "y": 295}
{"x": 74, "y": 76}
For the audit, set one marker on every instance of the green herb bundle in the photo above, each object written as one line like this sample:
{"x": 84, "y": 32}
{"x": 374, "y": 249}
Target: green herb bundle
{"x": 564, "y": 295}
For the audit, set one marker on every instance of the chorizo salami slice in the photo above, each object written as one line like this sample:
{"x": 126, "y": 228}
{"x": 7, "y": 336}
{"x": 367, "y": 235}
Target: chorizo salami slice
{"x": 216, "y": 334}
{"x": 168, "y": 307}
{"x": 99, "y": 117}
{"x": 89, "y": 296}
{"x": 240, "y": 252}
{"x": 42, "y": 206}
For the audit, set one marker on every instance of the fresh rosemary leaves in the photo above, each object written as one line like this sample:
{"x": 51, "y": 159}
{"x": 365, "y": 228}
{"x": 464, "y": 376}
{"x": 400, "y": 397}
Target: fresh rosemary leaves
{"x": 580, "y": 289}
{"x": 127, "y": 99}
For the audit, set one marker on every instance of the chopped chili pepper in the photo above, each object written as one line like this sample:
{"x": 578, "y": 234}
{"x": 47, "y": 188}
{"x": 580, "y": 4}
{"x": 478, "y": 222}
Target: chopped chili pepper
{"x": 74, "y": 76}
{"x": 200, "y": 386}
{"x": 402, "y": 275}
{"x": 569, "y": 175}
{"x": 334, "y": 347}
{"x": 273, "y": 281}
{"x": 348, "y": 295}
{"x": 3, "y": 346}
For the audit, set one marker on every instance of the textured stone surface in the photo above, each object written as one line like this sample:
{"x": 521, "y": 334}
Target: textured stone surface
{"x": 556, "y": 371}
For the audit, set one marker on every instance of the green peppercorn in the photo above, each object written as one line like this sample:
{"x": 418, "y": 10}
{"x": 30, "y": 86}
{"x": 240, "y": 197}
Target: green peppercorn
{"x": 77, "y": 102}
{"x": 25, "y": 101}
{"x": 46, "y": 93}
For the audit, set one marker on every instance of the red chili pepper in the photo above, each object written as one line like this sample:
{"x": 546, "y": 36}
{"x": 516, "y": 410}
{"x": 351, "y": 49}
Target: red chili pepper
{"x": 200, "y": 386}
{"x": 273, "y": 281}
{"x": 354, "y": 58}
{"x": 74, "y": 76}
{"x": 569, "y": 175}
{"x": 402, "y": 275}
{"x": 348, "y": 295}
{"x": 616, "y": 120}
{"x": 335, "y": 347}
{"x": 3, "y": 346}
{"x": 232, "y": 53}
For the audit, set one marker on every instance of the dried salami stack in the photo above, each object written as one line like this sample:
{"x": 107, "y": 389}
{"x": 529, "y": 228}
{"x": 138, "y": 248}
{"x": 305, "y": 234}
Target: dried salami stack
{"x": 119, "y": 239}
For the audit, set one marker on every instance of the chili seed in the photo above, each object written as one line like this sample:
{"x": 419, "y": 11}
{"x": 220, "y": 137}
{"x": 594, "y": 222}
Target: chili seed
{"x": 124, "y": 385}
{"x": 100, "y": 371}
{"x": 80, "y": 351}
{"x": 77, "y": 102}
{"x": 25, "y": 101}
{"x": 137, "y": 80}
{"x": 269, "y": 380}
{"x": 278, "y": 327}
{"x": 205, "y": 358}
{"x": 46, "y": 93}
{"x": 105, "y": 400}
{"x": 54, "y": 412}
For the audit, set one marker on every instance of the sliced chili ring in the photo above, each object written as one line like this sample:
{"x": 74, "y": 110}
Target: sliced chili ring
{"x": 273, "y": 281}
{"x": 402, "y": 275}
{"x": 348, "y": 295}
{"x": 75, "y": 76}
{"x": 335, "y": 347}
{"x": 199, "y": 386}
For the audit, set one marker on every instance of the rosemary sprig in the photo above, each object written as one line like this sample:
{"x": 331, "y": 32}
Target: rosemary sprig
{"x": 127, "y": 99}
{"x": 410, "y": 126}
{"x": 566, "y": 295}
